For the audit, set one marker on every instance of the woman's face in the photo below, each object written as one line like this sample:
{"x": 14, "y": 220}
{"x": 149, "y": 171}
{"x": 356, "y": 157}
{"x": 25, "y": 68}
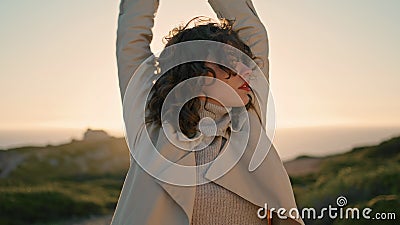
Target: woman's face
{"x": 221, "y": 92}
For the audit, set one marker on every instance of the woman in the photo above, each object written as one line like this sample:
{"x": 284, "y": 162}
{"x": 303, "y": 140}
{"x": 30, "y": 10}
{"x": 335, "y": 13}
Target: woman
{"x": 160, "y": 192}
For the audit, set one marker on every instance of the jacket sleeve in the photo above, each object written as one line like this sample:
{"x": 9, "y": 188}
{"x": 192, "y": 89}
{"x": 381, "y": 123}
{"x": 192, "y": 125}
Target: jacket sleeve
{"x": 135, "y": 21}
{"x": 248, "y": 25}
{"x": 253, "y": 33}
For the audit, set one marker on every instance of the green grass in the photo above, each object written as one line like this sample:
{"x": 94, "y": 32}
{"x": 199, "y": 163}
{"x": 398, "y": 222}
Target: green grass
{"x": 363, "y": 175}
{"x": 60, "y": 183}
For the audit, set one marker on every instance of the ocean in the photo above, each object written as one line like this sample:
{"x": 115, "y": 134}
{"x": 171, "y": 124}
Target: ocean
{"x": 289, "y": 142}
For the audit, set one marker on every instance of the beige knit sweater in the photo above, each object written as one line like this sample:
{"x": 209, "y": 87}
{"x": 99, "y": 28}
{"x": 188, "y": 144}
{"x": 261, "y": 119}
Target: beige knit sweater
{"x": 215, "y": 205}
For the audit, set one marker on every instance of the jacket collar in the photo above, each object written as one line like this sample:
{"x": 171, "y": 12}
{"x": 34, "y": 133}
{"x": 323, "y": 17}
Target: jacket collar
{"x": 269, "y": 183}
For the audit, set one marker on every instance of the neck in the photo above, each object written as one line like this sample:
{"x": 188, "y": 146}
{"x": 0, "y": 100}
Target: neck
{"x": 209, "y": 109}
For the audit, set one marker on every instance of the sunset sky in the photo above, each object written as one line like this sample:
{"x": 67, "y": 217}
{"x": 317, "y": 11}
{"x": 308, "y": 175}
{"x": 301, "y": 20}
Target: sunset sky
{"x": 333, "y": 63}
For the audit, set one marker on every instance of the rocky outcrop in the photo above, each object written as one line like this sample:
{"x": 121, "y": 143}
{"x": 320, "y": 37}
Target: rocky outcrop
{"x": 95, "y": 135}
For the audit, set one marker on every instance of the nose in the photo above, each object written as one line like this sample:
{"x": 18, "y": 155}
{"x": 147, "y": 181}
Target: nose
{"x": 243, "y": 70}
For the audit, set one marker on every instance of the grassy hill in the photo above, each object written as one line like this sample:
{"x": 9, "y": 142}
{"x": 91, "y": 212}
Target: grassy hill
{"x": 54, "y": 183}
{"x": 48, "y": 185}
{"x": 367, "y": 176}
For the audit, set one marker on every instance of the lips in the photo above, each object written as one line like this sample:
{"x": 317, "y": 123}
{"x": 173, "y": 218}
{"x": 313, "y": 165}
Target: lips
{"x": 245, "y": 86}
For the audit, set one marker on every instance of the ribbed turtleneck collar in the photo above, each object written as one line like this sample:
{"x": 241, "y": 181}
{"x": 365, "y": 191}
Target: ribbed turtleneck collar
{"x": 218, "y": 113}
{"x": 212, "y": 110}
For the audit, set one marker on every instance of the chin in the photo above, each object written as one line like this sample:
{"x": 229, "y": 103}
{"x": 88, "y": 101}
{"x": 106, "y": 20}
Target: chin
{"x": 246, "y": 100}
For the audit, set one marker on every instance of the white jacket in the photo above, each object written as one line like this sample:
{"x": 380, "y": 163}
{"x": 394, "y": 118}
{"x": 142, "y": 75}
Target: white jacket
{"x": 145, "y": 200}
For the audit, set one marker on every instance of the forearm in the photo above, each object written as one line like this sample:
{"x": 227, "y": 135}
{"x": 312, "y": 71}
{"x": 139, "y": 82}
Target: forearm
{"x": 135, "y": 21}
{"x": 248, "y": 25}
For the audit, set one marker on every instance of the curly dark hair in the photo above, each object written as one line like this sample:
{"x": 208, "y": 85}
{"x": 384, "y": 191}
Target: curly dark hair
{"x": 204, "y": 29}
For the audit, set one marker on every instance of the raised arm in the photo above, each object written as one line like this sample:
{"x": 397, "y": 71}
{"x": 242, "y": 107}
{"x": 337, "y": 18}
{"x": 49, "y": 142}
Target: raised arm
{"x": 248, "y": 25}
{"x": 135, "y": 21}
{"x": 253, "y": 33}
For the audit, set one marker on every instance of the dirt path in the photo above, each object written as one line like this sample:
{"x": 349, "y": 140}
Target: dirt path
{"x": 301, "y": 167}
